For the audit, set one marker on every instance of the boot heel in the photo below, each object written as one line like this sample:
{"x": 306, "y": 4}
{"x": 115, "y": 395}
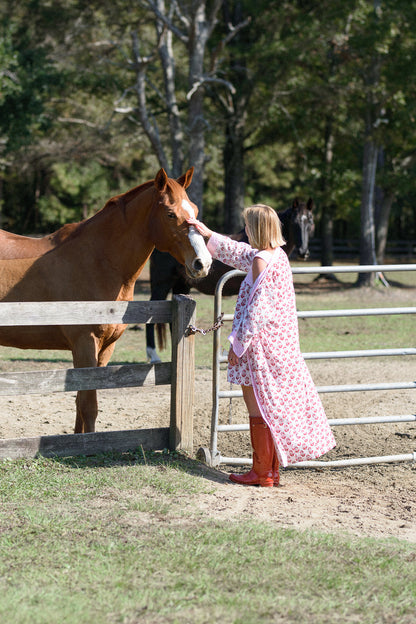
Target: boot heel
{"x": 266, "y": 482}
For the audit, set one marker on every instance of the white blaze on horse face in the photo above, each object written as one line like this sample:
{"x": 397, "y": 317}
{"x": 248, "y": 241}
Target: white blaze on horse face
{"x": 203, "y": 260}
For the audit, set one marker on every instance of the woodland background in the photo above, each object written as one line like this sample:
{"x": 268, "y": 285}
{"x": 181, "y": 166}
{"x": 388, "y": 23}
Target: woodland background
{"x": 268, "y": 100}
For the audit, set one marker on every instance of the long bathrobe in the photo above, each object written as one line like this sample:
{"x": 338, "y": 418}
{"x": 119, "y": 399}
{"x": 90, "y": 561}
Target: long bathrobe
{"x": 265, "y": 335}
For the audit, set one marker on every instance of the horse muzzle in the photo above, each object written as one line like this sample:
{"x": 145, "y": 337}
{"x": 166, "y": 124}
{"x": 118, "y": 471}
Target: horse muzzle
{"x": 303, "y": 254}
{"x": 199, "y": 268}
{"x": 200, "y": 264}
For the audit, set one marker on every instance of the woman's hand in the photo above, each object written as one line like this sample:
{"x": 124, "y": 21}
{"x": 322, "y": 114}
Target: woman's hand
{"x": 201, "y": 227}
{"x": 232, "y": 357}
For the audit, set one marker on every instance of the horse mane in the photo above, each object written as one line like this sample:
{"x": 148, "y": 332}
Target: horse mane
{"x": 67, "y": 233}
{"x": 128, "y": 195}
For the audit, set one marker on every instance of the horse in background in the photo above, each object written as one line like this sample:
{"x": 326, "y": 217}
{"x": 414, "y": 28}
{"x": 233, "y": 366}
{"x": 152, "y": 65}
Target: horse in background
{"x": 99, "y": 259}
{"x": 166, "y": 275}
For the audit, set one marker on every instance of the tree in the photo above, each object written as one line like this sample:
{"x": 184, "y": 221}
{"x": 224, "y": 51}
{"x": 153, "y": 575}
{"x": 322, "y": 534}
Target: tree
{"x": 387, "y": 33}
{"x": 181, "y": 118}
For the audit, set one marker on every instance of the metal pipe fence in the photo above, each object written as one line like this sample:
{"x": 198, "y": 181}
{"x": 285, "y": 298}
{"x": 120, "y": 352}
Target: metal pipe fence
{"x": 212, "y": 455}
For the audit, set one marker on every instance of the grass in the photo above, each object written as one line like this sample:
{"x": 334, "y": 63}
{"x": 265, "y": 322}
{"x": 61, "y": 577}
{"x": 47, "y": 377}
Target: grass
{"x": 120, "y": 538}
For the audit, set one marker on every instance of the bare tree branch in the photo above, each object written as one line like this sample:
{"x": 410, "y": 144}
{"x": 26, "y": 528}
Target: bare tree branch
{"x": 233, "y": 31}
{"x": 76, "y": 120}
{"x": 206, "y": 79}
{"x": 168, "y": 22}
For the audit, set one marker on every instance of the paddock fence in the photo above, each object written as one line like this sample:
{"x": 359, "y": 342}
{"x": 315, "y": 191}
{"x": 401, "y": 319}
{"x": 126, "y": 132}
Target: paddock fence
{"x": 179, "y": 373}
{"x": 212, "y": 455}
{"x": 342, "y": 248}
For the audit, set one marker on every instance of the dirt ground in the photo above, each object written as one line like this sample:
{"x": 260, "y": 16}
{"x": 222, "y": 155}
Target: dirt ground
{"x": 376, "y": 500}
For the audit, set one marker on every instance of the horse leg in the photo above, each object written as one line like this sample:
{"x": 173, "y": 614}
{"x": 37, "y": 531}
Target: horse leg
{"x": 159, "y": 293}
{"x": 86, "y": 401}
{"x": 85, "y": 354}
{"x": 87, "y": 410}
{"x": 151, "y": 352}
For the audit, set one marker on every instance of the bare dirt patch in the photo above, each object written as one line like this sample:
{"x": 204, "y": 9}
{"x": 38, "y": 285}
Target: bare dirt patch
{"x": 376, "y": 500}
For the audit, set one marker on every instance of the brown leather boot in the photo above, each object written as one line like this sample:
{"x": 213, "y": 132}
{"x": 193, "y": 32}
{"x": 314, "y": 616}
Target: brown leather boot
{"x": 275, "y": 468}
{"x": 263, "y": 471}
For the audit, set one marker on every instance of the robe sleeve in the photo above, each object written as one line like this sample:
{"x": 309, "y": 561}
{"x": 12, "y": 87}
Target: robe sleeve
{"x": 233, "y": 253}
{"x": 253, "y": 322}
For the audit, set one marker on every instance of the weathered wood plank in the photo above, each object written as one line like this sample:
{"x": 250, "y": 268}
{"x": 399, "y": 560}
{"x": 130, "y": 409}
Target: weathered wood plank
{"x": 183, "y": 374}
{"x": 74, "y": 379}
{"x": 84, "y": 443}
{"x": 84, "y": 312}
{"x": 179, "y": 373}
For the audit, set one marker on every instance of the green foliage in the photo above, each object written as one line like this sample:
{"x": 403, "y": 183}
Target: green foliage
{"x": 301, "y": 78}
{"x": 29, "y": 78}
{"x": 76, "y": 192}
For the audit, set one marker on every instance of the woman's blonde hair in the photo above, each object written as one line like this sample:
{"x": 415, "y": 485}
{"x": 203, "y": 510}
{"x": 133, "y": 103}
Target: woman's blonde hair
{"x": 264, "y": 228}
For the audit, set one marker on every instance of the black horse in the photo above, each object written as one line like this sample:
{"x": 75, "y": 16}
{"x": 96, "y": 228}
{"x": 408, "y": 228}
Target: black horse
{"x": 167, "y": 275}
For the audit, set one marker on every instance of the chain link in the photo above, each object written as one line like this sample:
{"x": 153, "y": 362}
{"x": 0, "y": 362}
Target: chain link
{"x": 191, "y": 329}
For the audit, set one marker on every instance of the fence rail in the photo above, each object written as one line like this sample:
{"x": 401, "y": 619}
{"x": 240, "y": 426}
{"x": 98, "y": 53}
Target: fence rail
{"x": 212, "y": 455}
{"x": 351, "y": 248}
{"x": 179, "y": 373}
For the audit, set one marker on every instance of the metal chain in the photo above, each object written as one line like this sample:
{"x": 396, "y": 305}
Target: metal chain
{"x": 191, "y": 329}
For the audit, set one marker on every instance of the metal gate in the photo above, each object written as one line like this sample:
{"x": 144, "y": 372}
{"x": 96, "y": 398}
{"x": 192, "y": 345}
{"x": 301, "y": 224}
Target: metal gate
{"x": 212, "y": 455}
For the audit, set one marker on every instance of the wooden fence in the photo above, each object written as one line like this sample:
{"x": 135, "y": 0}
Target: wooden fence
{"x": 179, "y": 373}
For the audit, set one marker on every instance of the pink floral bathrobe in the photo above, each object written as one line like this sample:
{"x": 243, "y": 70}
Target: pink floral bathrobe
{"x": 266, "y": 340}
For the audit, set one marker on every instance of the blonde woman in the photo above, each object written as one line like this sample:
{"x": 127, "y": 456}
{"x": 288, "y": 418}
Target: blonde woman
{"x": 287, "y": 420}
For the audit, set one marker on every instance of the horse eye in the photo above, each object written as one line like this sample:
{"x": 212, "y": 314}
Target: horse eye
{"x": 171, "y": 215}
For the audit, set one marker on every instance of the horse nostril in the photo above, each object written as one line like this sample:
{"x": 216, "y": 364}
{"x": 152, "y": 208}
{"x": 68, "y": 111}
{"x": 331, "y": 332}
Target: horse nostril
{"x": 197, "y": 265}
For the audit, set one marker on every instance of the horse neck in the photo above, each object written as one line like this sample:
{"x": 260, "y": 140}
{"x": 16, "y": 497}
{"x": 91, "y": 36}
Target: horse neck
{"x": 117, "y": 236}
{"x": 287, "y": 233}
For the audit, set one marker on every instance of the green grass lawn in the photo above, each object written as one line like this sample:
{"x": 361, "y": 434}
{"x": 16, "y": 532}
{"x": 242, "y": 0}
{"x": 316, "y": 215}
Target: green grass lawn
{"x": 120, "y": 539}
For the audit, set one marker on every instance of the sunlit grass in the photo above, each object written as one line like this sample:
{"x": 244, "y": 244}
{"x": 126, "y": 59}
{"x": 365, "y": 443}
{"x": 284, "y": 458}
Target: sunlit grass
{"x": 121, "y": 538}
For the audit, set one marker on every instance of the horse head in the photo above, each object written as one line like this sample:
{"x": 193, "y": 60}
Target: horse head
{"x": 170, "y": 230}
{"x": 298, "y": 225}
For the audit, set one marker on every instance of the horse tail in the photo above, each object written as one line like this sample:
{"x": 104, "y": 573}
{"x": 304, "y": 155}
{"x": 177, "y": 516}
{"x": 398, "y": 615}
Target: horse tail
{"x": 161, "y": 335}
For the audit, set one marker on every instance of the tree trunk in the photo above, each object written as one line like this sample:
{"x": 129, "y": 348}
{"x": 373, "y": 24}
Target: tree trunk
{"x": 168, "y": 65}
{"x": 382, "y": 225}
{"x": 327, "y": 221}
{"x": 233, "y": 157}
{"x": 196, "y": 129}
{"x": 367, "y": 234}
{"x": 370, "y": 157}
{"x": 200, "y": 29}
{"x": 327, "y": 238}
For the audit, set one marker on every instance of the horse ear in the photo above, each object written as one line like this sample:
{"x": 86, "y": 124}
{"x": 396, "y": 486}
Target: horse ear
{"x": 186, "y": 179}
{"x": 295, "y": 203}
{"x": 309, "y": 205}
{"x": 161, "y": 180}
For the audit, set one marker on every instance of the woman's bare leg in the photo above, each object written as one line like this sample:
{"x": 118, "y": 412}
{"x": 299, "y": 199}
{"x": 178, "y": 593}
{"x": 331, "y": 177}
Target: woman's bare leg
{"x": 250, "y": 401}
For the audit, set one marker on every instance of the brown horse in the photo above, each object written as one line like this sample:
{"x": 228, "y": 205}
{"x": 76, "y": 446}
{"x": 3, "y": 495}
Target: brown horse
{"x": 100, "y": 259}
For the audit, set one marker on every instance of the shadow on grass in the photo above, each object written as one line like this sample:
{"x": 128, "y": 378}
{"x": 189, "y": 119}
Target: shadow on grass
{"x": 142, "y": 457}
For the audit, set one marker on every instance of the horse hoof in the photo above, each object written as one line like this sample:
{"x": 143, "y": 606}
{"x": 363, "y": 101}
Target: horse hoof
{"x": 152, "y": 355}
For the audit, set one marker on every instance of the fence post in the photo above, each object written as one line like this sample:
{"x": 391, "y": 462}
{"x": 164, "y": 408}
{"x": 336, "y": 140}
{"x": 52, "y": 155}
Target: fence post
{"x": 183, "y": 374}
